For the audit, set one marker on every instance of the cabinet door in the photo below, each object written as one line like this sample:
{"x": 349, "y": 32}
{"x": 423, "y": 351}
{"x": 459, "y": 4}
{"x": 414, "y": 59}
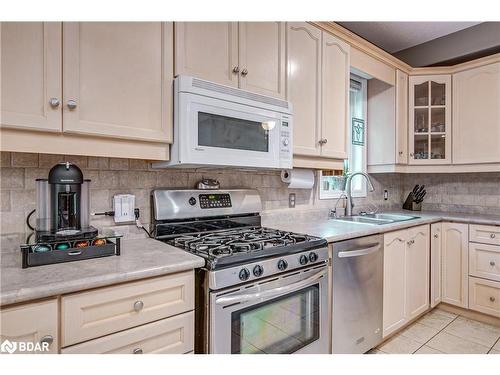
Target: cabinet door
{"x": 304, "y": 86}
{"x": 436, "y": 243}
{"x": 476, "y": 115}
{"x": 262, "y": 57}
{"x": 35, "y": 323}
{"x": 118, "y": 75}
{"x": 401, "y": 117}
{"x": 455, "y": 264}
{"x": 335, "y": 97}
{"x": 394, "y": 310}
{"x": 208, "y": 50}
{"x": 417, "y": 271}
{"x": 30, "y": 54}
{"x": 430, "y": 119}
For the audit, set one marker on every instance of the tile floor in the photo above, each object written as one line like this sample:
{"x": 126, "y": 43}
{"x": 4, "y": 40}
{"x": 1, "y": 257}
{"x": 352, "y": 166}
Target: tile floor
{"x": 441, "y": 332}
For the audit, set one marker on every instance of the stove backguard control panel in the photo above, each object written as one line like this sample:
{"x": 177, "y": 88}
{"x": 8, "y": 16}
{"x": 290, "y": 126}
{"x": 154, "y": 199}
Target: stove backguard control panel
{"x": 214, "y": 200}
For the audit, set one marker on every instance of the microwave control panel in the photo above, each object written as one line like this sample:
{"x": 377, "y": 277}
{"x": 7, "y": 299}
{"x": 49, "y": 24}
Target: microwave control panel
{"x": 285, "y": 144}
{"x": 214, "y": 200}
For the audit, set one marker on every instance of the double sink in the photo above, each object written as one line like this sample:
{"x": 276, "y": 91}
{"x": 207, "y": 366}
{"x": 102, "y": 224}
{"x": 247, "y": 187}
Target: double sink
{"x": 376, "y": 219}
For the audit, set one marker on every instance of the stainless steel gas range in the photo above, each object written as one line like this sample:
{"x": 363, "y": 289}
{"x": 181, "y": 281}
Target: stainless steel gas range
{"x": 262, "y": 290}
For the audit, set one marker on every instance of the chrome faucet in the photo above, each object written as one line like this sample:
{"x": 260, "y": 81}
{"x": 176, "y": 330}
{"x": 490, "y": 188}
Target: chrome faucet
{"x": 349, "y": 204}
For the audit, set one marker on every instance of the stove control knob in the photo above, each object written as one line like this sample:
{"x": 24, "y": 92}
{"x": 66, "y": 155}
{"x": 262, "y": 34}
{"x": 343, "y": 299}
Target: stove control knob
{"x": 313, "y": 257}
{"x": 258, "y": 271}
{"x": 192, "y": 201}
{"x": 303, "y": 260}
{"x": 244, "y": 274}
{"x": 282, "y": 265}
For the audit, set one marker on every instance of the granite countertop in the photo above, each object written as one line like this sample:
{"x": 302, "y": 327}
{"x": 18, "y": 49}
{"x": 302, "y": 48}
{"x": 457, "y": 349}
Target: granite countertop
{"x": 335, "y": 230}
{"x": 140, "y": 258}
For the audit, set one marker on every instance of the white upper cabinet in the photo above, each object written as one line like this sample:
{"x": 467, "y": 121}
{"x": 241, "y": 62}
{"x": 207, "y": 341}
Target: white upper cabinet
{"x": 335, "y": 97}
{"x": 248, "y": 55}
{"x": 401, "y": 117}
{"x": 318, "y": 87}
{"x": 262, "y": 60}
{"x": 117, "y": 79}
{"x": 31, "y": 82}
{"x": 304, "y": 86}
{"x": 476, "y": 115}
{"x": 430, "y": 119}
{"x": 208, "y": 50}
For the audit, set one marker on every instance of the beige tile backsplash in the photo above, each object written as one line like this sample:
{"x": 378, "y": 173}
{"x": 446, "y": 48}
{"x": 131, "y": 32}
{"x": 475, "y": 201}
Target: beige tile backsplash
{"x": 474, "y": 192}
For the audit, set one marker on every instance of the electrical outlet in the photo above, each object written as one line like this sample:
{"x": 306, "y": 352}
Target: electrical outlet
{"x": 386, "y": 195}
{"x": 124, "y": 206}
{"x": 291, "y": 200}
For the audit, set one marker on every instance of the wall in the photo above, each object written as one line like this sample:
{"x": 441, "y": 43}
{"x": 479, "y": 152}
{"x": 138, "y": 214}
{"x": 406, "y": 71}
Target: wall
{"x": 117, "y": 176}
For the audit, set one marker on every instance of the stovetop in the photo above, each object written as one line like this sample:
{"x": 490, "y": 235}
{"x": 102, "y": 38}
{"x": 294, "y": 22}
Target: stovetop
{"x": 244, "y": 245}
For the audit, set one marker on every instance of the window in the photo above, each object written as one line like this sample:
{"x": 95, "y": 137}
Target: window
{"x": 330, "y": 186}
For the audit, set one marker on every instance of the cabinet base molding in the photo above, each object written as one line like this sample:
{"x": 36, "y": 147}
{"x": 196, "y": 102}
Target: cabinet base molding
{"x": 50, "y": 143}
{"x": 317, "y": 163}
{"x": 475, "y": 315}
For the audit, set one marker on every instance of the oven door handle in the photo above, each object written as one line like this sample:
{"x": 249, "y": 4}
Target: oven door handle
{"x": 359, "y": 252}
{"x": 247, "y": 297}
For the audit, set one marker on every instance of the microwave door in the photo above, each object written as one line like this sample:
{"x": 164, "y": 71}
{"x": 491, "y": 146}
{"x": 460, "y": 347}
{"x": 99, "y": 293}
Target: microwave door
{"x": 233, "y": 136}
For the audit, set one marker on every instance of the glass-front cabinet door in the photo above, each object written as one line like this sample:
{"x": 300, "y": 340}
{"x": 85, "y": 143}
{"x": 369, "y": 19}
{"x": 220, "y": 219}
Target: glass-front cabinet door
{"x": 430, "y": 119}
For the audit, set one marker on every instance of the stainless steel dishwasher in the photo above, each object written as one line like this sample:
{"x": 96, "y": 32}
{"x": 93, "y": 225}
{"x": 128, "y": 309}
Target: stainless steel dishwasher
{"x": 357, "y": 294}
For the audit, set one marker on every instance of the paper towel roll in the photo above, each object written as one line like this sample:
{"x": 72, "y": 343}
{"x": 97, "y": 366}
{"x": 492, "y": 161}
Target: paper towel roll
{"x": 298, "y": 178}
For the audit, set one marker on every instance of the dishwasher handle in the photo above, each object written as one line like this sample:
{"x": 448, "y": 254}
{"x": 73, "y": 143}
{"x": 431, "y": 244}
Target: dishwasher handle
{"x": 359, "y": 252}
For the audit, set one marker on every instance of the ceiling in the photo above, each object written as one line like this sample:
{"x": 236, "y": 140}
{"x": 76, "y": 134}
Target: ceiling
{"x": 396, "y": 36}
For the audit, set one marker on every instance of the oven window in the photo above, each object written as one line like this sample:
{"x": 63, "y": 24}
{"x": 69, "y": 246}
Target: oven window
{"x": 227, "y": 132}
{"x": 279, "y": 326}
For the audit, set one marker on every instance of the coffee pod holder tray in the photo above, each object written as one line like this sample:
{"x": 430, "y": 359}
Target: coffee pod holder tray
{"x": 61, "y": 251}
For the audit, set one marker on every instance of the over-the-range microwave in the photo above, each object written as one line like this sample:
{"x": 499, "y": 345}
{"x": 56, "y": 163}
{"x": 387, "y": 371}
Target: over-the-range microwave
{"x": 221, "y": 126}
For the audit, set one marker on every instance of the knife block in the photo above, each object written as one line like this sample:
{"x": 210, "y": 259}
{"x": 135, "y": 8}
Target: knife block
{"x": 410, "y": 204}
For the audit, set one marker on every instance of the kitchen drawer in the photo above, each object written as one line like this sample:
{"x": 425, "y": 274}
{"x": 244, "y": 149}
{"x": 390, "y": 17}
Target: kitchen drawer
{"x": 173, "y": 335}
{"x": 33, "y": 323}
{"x": 484, "y": 261}
{"x": 484, "y": 296}
{"x": 488, "y": 234}
{"x": 99, "y": 312}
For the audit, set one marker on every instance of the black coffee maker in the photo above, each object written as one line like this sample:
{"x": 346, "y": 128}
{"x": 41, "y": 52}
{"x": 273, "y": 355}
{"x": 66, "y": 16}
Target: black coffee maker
{"x": 63, "y": 204}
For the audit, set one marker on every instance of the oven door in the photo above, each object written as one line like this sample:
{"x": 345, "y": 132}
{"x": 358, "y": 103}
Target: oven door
{"x": 218, "y": 132}
{"x": 275, "y": 316}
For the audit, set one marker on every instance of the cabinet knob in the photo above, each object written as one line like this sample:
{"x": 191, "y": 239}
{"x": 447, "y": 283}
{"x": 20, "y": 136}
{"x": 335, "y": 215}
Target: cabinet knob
{"x": 236, "y": 69}
{"x": 492, "y": 299}
{"x": 492, "y": 235}
{"x": 436, "y": 235}
{"x": 138, "y": 351}
{"x": 411, "y": 154}
{"x": 244, "y": 72}
{"x": 47, "y": 339}
{"x": 71, "y": 104}
{"x": 400, "y": 153}
{"x": 492, "y": 263}
{"x": 138, "y": 306}
{"x": 54, "y": 102}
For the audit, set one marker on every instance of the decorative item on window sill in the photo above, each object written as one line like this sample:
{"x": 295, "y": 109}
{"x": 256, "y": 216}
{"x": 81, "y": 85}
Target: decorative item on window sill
{"x": 415, "y": 198}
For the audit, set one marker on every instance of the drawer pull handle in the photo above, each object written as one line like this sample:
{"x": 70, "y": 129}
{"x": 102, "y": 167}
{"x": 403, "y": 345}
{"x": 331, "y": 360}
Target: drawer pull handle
{"x": 138, "y": 306}
{"x": 492, "y": 235}
{"x": 411, "y": 242}
{"x": 492, "y": 263}
{"x": 492, "y": 299}
{"x": 47, "y": 339}
{"x": 138, "y": 351}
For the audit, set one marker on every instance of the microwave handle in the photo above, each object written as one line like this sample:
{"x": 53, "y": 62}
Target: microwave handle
{"x": 248, "y": 297}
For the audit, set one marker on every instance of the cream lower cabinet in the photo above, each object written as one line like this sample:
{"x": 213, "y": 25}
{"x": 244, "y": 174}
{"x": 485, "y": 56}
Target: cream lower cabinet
{"x": 318, "y": 83}
{"x": 31, "y": 81}
{"x": 32, "y": 325}
{"x": 406, "y": 276}
{"x": 248, "y": 55}
{"x": 436, "y": 257}
{"x": 454, "y": 257}
{"x": 476, "y": 115}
